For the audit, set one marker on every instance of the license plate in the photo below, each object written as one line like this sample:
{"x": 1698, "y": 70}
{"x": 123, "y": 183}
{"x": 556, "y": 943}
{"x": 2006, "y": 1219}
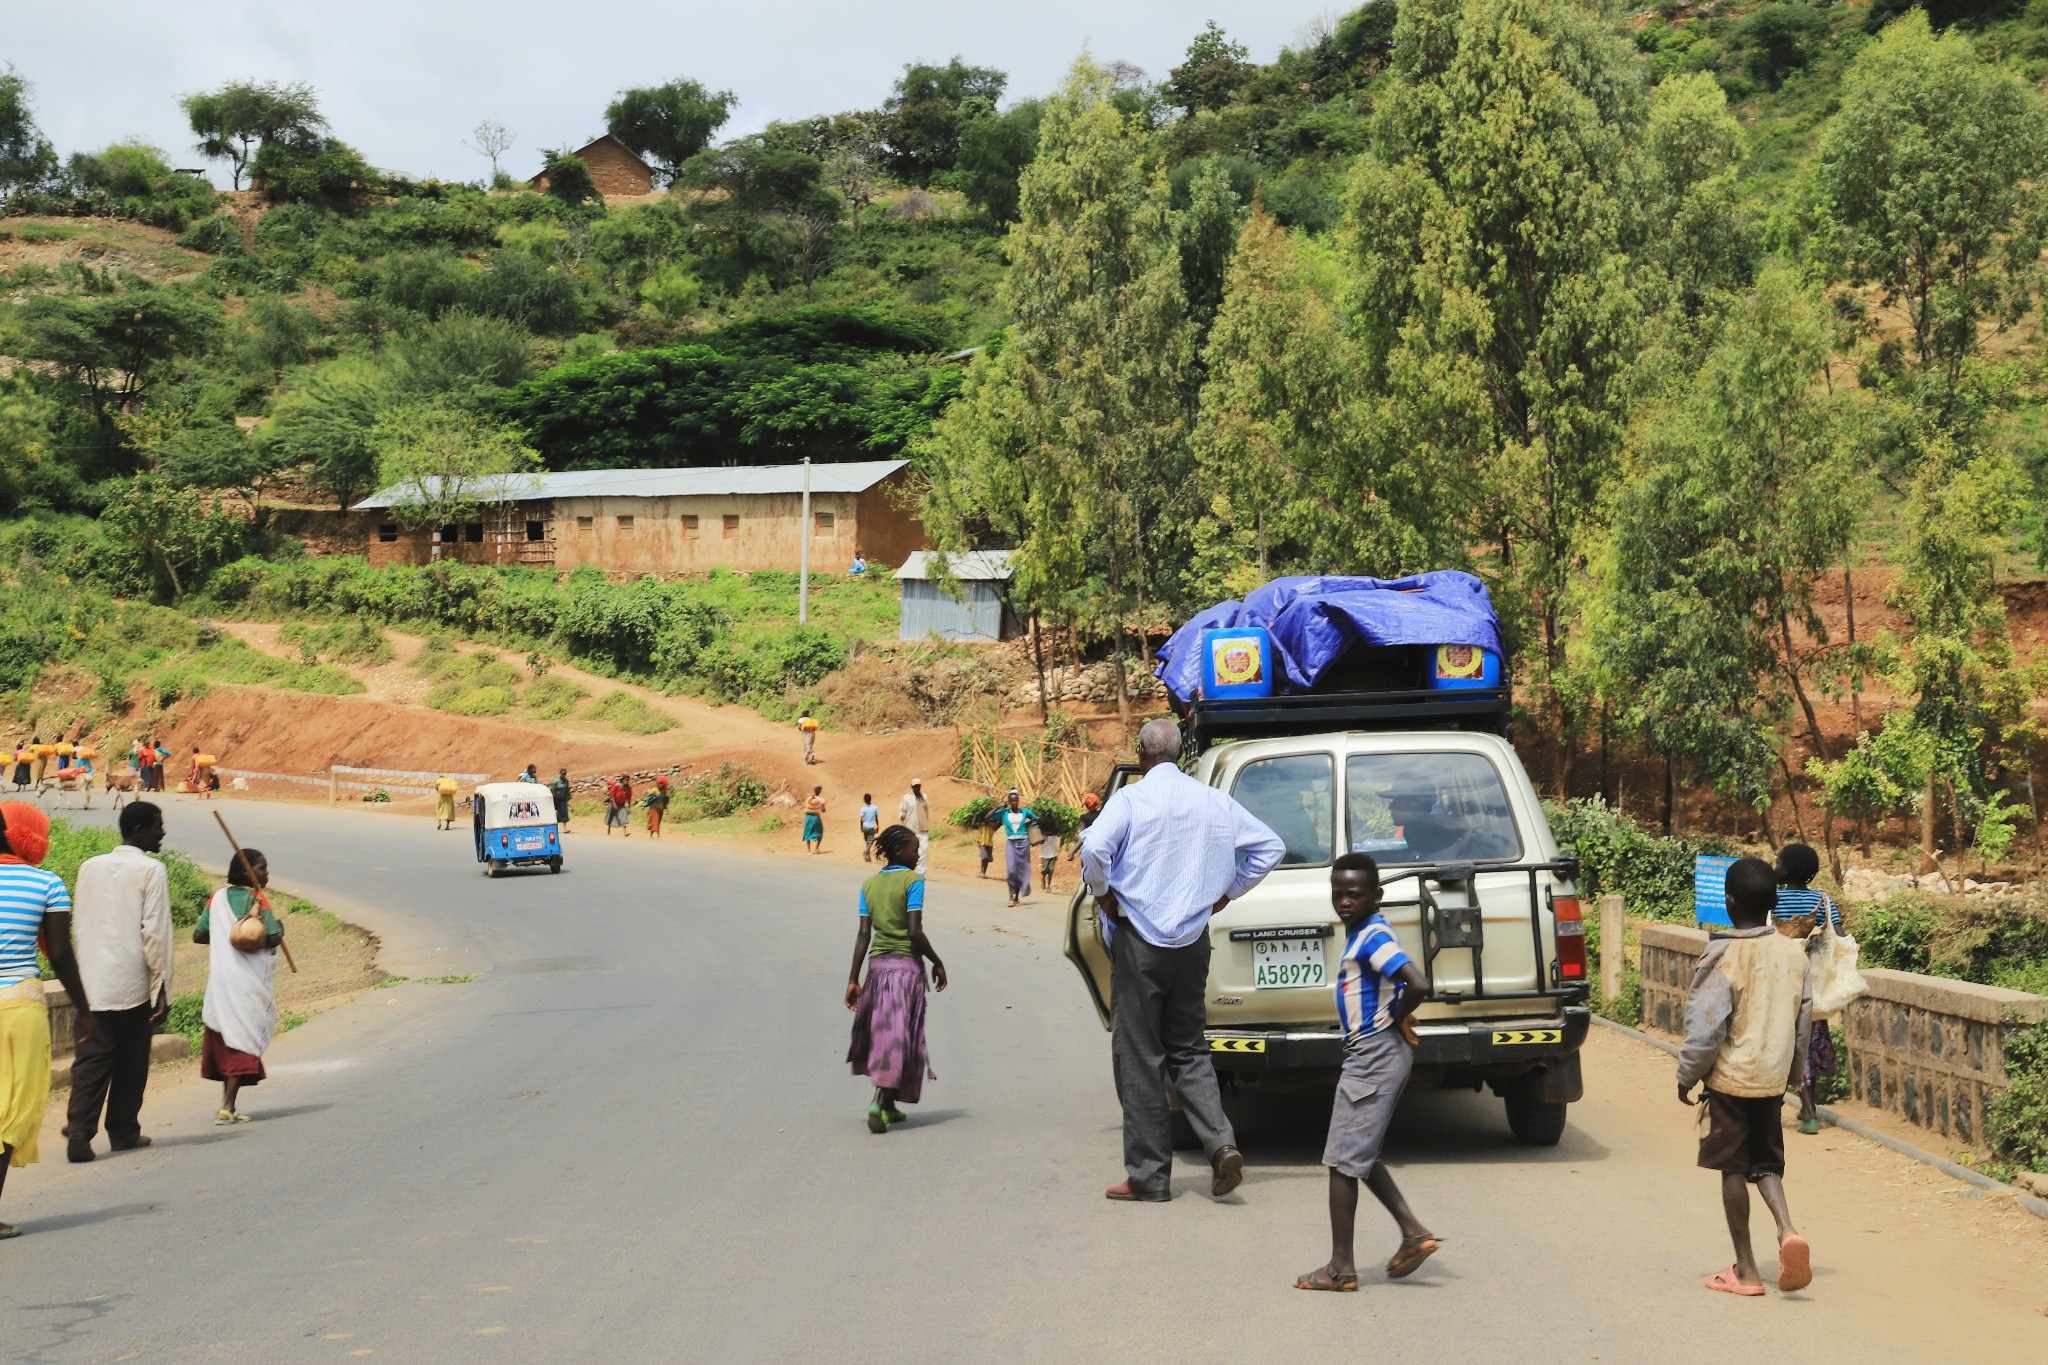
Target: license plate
{"x": 529, "y": 843}
{"x": 1287, "y": 962}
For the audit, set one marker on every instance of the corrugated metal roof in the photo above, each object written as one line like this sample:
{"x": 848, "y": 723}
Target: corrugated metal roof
{"x": 852, "y": 477}
{"x": 969, "y": 566}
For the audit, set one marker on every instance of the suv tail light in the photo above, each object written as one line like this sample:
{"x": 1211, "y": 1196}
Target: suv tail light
{"x": 1571, "y": 939}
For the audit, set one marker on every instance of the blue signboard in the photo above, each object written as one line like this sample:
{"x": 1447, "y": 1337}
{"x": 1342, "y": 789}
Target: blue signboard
{"x": 1710, "y": 890}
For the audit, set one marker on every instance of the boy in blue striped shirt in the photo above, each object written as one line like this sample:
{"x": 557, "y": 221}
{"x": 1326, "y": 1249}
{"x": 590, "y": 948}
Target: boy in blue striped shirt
{"x": 1378, "y": 987}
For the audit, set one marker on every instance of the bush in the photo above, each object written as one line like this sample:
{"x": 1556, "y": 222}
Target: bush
{"x": 730, "y": 789}
{"x": 186, "y": 1018}
{"x": 2017, "y": 1118}
{"x": 471, "y": 701}
{"x": 1615, "y": 854}
{"x": 553, "y": 698}
{"x": 627, "y": 712}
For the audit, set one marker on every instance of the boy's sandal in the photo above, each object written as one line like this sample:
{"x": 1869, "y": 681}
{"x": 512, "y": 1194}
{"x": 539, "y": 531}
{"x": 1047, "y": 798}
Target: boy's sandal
{"x": 1414, "y": 1251}
{"x": 1326, "y": 1278}
{"x": 1809, "y": 1126}
{"x": 1728, "y": 1282}
{"x": 1795, "y": 1264}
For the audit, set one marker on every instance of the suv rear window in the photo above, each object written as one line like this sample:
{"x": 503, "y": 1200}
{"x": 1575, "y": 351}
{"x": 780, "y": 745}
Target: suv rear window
{"x": 1429, "y": 808}
{"x": 1295, "y": 796}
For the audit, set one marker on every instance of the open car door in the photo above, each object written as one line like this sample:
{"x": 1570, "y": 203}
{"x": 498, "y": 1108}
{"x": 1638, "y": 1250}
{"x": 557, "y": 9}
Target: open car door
{"x": 1085, "y": 947}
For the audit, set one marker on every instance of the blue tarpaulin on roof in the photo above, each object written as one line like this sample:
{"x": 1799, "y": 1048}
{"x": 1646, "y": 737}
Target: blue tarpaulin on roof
{"x": 1314, "y": 621}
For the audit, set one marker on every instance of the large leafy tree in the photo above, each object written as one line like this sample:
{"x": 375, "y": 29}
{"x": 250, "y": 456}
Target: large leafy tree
{"x": 1927, "y": 185}
{"x": 113, "y": 347}
{"x": 1706, "y": 242}
{"x": 921, "y": 121}
{"x": 994, "y": 150}
{"x": 1490, "y": 231}
{"x": 326, "y": 424}
{"x": 1212, "y": 74}
{"x": 1288, "y": 484}
{"x": 27, "y": 160}
{"x": 446, "y": 463}
{"x": 670, "y": 123}
{"x": 1744, "y": 494}
{"x": 234, "y": 122}
{"x": 1071, "y": 443}
{"x": 164, "y": 533}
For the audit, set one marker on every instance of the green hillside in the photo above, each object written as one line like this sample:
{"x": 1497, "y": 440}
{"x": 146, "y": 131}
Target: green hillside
{"x": 1655, "y": 319}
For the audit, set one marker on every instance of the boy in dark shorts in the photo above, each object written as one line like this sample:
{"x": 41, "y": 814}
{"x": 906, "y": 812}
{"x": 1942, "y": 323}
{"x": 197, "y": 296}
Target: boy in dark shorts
{"x": 1746, "y": 1026}
{"x": 1378, "y": 988}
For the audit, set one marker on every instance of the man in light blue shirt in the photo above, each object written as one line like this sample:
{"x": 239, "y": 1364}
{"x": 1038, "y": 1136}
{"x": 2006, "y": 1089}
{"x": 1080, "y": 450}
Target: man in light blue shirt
{"x": 1166, "y": 854}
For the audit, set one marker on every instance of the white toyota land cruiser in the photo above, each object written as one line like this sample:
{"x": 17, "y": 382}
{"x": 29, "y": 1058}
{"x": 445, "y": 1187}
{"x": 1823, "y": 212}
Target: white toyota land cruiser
{"x": 1475, "y": 889}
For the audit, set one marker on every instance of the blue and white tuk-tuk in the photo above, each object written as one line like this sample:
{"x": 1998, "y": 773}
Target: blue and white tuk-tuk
{"x": 515, "y": 825}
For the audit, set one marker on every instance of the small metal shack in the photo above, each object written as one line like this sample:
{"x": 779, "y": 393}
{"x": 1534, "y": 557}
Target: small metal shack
{"x": 984, "y": 614}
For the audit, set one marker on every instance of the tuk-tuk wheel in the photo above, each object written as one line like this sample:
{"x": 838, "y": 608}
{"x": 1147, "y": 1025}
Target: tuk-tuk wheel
{"x": 554, "y": 864}
{"x": 491, "y": 868}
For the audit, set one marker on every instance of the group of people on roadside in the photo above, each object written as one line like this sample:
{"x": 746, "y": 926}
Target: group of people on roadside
{"x": 110, "y": 943}
{"x": 1167, "y": 853}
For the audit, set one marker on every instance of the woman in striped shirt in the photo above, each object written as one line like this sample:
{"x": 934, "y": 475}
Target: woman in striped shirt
{"x": 1799, "y": 909}
{"x": 33, "y": 903}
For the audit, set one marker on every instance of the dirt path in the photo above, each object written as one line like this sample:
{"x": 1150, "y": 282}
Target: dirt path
{"x": 293, "y": 734}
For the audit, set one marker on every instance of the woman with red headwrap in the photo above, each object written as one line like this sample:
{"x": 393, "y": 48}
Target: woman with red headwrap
{"x": 32, "y": 903}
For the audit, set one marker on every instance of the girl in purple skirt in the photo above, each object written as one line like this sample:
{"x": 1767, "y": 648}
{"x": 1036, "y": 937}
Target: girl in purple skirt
{"x": 888, "y": 1011}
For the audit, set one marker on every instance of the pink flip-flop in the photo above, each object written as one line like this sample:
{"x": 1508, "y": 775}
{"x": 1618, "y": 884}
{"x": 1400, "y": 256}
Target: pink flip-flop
{"x": 1795, "y": 1263}
{"x": 1728, "y": 1282}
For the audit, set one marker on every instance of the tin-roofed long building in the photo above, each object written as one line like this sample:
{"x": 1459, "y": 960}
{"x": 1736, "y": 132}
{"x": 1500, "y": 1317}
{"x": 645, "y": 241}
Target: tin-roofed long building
{"x": 666, "y": 521}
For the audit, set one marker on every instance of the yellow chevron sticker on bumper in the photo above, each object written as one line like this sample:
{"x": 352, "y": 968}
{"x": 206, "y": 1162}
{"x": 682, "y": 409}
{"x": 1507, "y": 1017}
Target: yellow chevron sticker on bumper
{"x": 1515, "y": 1037}
{"x": 1237, "y": 1045}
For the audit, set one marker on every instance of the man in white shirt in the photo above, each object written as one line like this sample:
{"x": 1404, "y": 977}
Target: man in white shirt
{"x": 121, "y": 924}
{"x": 914, "y": 813}
{"x": 1166, "y": 854}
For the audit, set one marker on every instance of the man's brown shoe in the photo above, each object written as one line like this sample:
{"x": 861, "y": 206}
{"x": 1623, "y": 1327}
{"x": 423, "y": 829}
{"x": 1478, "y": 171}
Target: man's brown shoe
{"x": 140, "y": 1140}
{"x": 79, "y": 1150}
{"x": 1228, "y": 1166}
{"x": 1125, "y": 1194}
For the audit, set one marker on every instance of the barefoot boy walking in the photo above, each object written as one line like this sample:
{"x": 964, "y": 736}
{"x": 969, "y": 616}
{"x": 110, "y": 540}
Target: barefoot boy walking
{"x": 1378, "y": 988}
{"x": 1746, "y": 1026}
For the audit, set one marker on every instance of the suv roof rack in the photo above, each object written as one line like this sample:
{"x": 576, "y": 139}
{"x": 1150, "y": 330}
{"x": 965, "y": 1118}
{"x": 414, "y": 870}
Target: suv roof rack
{"x": 1204, "y": 723}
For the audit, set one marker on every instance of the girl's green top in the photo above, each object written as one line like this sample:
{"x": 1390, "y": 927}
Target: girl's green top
{"x": 886, "y": 900}
{"x": 240, "y": 898}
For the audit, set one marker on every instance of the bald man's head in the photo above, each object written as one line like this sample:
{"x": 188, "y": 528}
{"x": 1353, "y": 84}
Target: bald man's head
{"x": 1158, "y": 742}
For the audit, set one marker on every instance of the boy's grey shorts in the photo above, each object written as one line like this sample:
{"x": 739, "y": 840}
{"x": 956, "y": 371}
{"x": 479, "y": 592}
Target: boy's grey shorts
{"x": 1375, "y": 1070}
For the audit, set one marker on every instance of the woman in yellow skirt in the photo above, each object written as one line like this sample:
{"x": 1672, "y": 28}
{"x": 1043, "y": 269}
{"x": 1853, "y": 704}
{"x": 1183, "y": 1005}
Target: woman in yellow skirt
{"x": 33, "y": 904}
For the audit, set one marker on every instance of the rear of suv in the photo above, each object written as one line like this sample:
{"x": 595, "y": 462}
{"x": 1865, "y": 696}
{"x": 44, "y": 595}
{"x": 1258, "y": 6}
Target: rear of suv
{"x": 1475, "y": 890}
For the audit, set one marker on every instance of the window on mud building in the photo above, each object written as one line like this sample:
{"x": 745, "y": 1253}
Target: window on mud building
{"x": 626, "y": 531}
{"x": 689, "y": 526}
{"x": 732, "y": 528}
{"x": 536, "y": 530}
{"x": 387, "y": 533}
{"x": 586, "y": 526}
{"x": 823, "y": 524}
{"x": 473, "y": 532}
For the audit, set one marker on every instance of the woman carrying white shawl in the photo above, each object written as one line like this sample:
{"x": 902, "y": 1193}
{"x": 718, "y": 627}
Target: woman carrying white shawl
{"x": 240, "y": 1012}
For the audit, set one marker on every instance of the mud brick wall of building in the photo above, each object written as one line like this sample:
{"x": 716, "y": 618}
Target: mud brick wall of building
{"x": 1925, "y": 1048}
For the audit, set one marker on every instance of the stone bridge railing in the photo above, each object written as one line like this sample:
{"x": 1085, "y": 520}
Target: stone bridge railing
{"x": 1925, "y": 1048}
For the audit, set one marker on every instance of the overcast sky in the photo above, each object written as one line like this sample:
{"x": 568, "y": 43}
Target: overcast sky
{"x": 405, "y": 81}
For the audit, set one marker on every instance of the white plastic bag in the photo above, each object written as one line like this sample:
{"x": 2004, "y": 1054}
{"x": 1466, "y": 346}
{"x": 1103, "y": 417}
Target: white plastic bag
{"x": 1835, "y": 979}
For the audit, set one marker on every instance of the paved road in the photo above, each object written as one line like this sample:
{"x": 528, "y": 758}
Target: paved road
{"x": 634, "y": 1139}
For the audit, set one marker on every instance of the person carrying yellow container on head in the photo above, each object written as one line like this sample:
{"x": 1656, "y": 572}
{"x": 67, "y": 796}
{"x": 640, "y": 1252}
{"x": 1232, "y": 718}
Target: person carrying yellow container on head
{"x": 201, "y": 780}
{"x": 807, "y": 725}
{"x": 444, "y": 802}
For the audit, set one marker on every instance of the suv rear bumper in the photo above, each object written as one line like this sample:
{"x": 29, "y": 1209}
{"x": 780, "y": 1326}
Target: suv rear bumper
{"x": 1492, "y": 1047}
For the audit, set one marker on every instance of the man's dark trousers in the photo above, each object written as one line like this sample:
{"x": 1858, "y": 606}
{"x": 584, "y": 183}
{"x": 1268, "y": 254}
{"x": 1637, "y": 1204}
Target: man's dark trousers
{"x": 110, "y": 1068}
{"x": 1157, "y": 1017}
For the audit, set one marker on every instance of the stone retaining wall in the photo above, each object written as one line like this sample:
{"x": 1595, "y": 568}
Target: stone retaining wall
{"x": 1925, "y": 1048}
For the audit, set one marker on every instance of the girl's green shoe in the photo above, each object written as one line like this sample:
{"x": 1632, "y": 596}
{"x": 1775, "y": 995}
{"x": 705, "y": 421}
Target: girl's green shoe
{"x": 895, "y": 1116}
{"x": 878, "y": 1121}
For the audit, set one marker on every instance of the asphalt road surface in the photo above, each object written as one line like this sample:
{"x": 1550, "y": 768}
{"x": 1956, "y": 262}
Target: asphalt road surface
{"x": 634, "y": 1138}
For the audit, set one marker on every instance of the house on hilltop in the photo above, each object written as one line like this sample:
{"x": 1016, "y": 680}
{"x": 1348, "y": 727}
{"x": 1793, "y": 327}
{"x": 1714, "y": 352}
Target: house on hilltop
{"x": 669, "y": 521}
{"x": 614, "y": 168}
